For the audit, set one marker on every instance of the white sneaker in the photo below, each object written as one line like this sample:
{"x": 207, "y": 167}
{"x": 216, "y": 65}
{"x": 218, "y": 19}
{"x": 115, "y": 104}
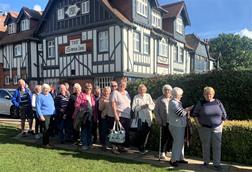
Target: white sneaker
{"x": 37, "y": 136}
{"x": 163, "y": 157}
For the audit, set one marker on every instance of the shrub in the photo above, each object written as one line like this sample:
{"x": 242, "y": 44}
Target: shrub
{"x": 233, "y": 88}
{"x": 236, "y": 142}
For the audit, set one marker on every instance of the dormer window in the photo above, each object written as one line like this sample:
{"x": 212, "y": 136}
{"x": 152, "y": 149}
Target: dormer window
{"x": 142, "y": 7}
{"x": 25, "y": 24}
{"x": 156, "y": 19}
{"x": 18, "y": 50}
{"x": 179, "y": 26}
{"x": 12, "y": 28}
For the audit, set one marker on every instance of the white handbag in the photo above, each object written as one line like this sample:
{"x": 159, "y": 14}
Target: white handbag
{"x": 117, "y": 136}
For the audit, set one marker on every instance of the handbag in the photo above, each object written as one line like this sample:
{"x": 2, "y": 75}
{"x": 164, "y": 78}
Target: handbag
{"x": 136, "y": 122}
{"x": 117, "y": 134}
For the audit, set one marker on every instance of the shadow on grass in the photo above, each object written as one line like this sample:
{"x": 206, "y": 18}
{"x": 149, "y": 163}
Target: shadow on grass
{"x": 7, "y": 133}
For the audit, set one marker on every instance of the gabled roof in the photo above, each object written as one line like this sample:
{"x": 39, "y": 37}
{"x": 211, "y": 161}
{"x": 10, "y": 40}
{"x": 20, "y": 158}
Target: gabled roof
{"x": 30, "y": 13}
{"x": 115, "y": 12}
{"x": 106, "y": 3}
{"x": 11, "y": 15}
{"x": 193, "y": 41}
{"x": 2, "y": 26}
{"x": 174, "y": 9}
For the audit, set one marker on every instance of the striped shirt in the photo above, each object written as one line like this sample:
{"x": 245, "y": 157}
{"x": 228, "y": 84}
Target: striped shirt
{"x": 177, "y": 114}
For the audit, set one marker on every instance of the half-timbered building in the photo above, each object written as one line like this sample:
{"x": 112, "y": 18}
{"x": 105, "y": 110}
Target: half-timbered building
{"x": 2, "y": 31}
{"x": 101, "y": 40}
{"x": 19, "y": 47}
{"x": 201, "y": 61}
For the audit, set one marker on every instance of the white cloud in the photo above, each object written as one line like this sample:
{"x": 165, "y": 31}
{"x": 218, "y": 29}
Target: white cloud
{"x": 245, "y": 32}
{"x": 37, "y": 7}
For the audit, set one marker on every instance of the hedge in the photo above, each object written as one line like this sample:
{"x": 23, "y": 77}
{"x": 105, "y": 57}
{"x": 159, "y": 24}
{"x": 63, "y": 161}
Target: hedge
{"x": 233, "y": 88}
{"x": 236, "y": 142}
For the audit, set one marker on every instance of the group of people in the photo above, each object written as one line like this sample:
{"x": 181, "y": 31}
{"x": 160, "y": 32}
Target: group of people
{"x": 77, "y": 116}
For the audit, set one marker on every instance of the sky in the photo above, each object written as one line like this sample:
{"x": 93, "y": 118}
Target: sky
{"x": 208, "y": 17}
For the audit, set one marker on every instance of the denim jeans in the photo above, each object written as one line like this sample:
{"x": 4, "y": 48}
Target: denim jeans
{"x": 86, "y": 134}
{"x": 62, "y": 126}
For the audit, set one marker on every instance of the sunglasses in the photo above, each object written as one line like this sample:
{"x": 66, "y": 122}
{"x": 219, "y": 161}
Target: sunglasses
{"x": 88, "y": 88}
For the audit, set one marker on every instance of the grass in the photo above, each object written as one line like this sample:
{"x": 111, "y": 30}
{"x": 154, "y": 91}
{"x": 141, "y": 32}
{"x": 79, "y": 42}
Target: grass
{"x": 17, "y": 156}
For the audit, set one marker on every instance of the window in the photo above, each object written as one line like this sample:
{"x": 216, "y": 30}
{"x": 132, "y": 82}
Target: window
{"x": 61, "y": 14}
{"x": 51, "y": 49}
{"x": 12, "y": 28}
{"x": 156, "y": 19}
{"x": 25, "y": 24}
{"x": 15, "y": 80}
{"x": 163, "y": 48}
{"x": 103, "y": 81}
{"x": 85, "y": 7}
{"x": 175, "y": 54}
{"x": 137, "y": 42}
{"x": 7, "y": 80}
{"x": 18, "y": 50}
{"x": 179, "y": 25}
{"x": 103, "y": 41}
{"x": 146, "y": 45}
{"x": 181, "y": 55}
{"x": 142, "y": 7}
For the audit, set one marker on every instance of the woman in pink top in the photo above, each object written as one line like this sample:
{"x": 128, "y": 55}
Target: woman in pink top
{"x": 86, "y": 101}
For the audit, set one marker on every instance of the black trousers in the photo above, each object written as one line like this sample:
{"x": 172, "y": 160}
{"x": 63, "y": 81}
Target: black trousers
{"x": 142, "y": 136}
{"x": 39, "y": 126}
{"x": 166, "y": 140}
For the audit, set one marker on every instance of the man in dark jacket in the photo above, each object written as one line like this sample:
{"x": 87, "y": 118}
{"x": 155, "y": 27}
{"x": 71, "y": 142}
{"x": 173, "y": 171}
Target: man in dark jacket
{"x": 22, "y": 101}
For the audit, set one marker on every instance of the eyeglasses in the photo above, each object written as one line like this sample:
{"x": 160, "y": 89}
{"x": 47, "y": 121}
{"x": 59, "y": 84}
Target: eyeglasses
{"x": 113, "y": 85}
{"x": 88, "y": 88}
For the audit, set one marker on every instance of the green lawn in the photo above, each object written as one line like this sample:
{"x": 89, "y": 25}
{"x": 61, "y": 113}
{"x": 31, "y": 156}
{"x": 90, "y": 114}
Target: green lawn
{"x": 17, "y": 156}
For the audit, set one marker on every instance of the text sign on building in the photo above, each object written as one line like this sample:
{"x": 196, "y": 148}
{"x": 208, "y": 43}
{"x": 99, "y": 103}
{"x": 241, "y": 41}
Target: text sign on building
{"x": 72, "y": 10}
{"x": 75, "y": 47}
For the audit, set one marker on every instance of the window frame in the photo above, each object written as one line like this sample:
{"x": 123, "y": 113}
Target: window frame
{"x": 18, "y": 47}
{"x": 61, "y": 14}
{"x": 146, "y": 51}
{"x": 179, "y": 26}
{"x": 102, "y": 40}
{"x": 12, "y": 28}
{"x": 25, "y": 25}
{"x": 135, "y": 42}
{"x": 180, "y": 55}
{"x": 175, "y": 57}
{"x": 156, "y": 19}
{"x": 87, "y": 5}
{"x": 163, "y": 48}
{"x": 51, "y": 51}
{"x": 7, "y": 80}
{"x": 142, "y": 7}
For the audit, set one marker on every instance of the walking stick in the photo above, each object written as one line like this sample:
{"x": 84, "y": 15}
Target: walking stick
{"x": 160, "y": 137}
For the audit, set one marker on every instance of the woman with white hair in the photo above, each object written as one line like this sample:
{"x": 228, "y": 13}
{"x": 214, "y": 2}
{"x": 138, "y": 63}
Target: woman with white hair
{"x": 142, "y": 107}
{"x": 177, "y": 121}
{"x": 45, "y": 109}
{"x": 161, "y": 112}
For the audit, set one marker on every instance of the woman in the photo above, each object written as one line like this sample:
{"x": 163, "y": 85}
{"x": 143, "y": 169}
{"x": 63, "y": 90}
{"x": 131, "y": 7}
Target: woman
{"x": 210, "y": 114}
{"x": 161, "y": 112}
{"x": 104, "y": 105}
{"x": 70, "y": 111}
{"x": 86, "y": 102}
{"x": 45, "y": 109}
{"x": 120, "y": 101}
{"x": 38, "y": 124}
{"x": 142, "y": 107}
{"x": 177, "y": 123}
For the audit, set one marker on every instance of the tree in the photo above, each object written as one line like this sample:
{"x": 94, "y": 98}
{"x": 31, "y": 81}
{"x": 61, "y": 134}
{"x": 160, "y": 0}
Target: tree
{"x": 236, "y": 51}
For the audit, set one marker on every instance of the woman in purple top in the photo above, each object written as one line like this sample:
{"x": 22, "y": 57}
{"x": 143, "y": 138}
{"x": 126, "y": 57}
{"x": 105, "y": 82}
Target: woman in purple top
{"x": 210, "y": 114}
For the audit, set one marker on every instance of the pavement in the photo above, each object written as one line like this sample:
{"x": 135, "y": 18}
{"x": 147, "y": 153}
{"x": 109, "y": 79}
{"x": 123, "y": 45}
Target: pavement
{"x": 133, "y": 154}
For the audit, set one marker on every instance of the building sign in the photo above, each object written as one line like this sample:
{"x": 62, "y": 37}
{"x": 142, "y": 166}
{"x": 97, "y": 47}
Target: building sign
{"x": 72, "y": 10}
{"x": 75, "y": 47}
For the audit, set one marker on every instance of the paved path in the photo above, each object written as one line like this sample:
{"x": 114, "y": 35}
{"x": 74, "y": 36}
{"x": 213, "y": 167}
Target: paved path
{"x": 150, "y": 158}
